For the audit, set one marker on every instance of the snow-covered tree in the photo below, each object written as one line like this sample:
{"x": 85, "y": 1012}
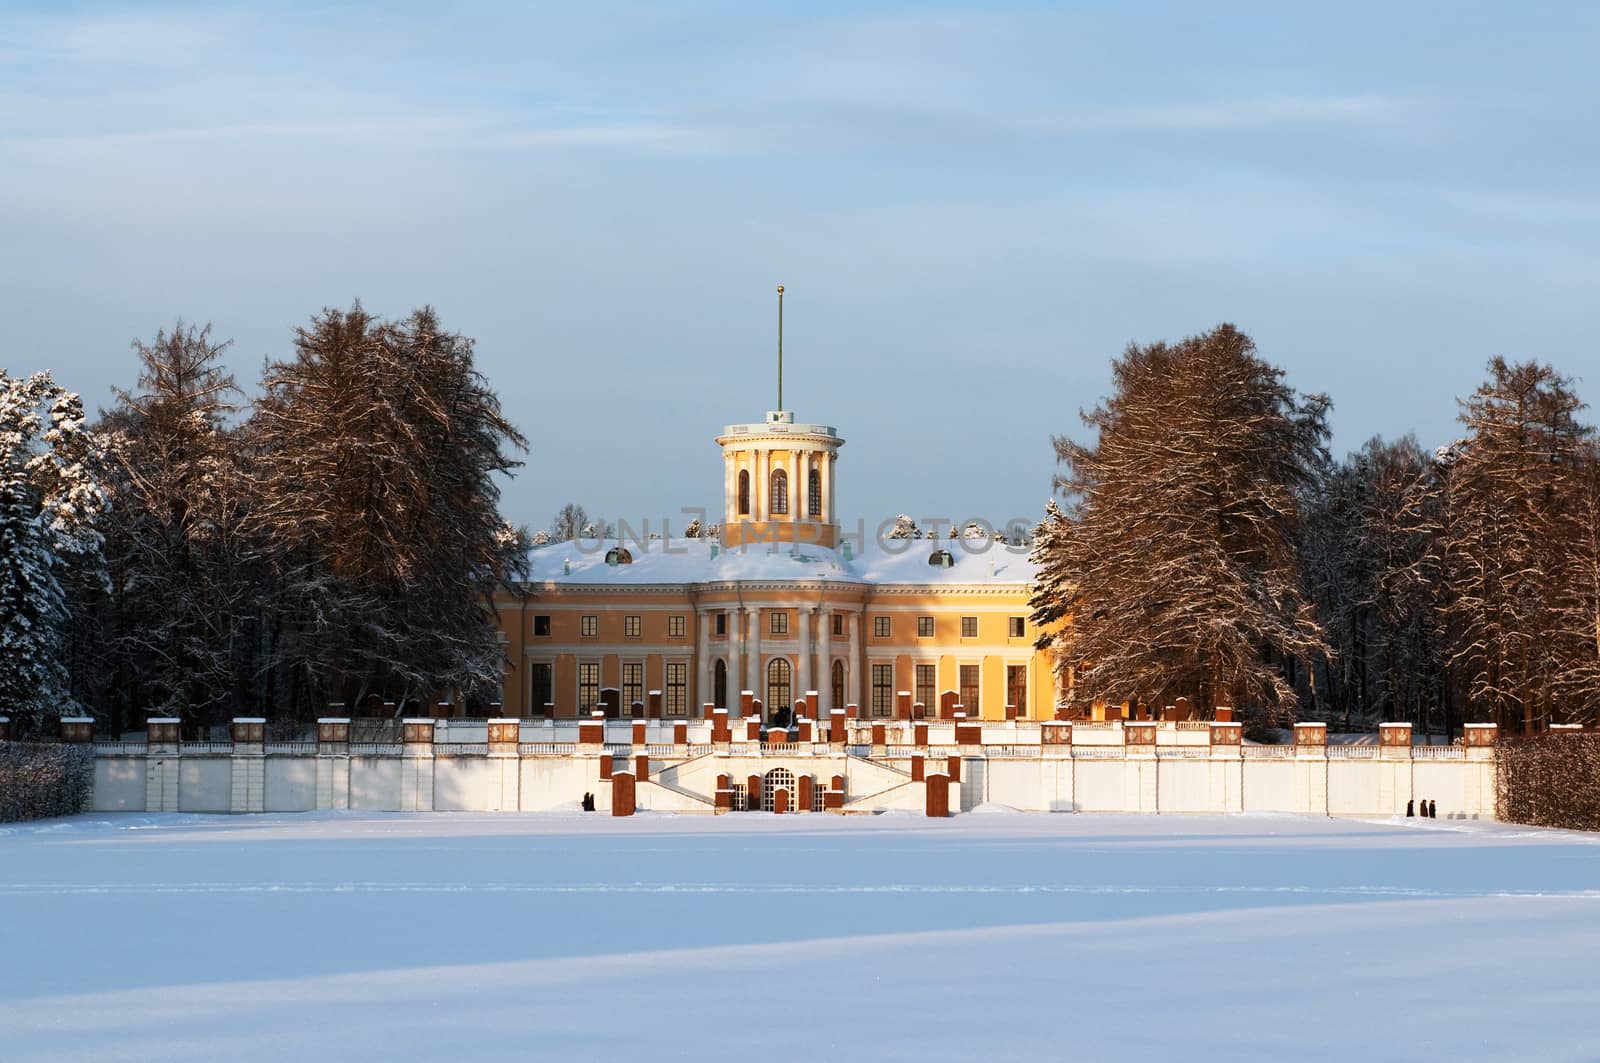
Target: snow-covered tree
{"x": 573, "y": 522}
{"x": 904, "y": 528}
{"x": 1176, "y": 557}
{"x": 50, "y": 504}
{"x": 541, "y": 538}
{"x": 693, "y": 529}
{"x": 1506, "y": 491}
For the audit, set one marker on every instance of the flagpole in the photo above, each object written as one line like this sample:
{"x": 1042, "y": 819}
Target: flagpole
{"x": 780, "y": 346}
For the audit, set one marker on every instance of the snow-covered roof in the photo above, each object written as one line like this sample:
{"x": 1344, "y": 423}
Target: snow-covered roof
{"x": 677, "y": 561}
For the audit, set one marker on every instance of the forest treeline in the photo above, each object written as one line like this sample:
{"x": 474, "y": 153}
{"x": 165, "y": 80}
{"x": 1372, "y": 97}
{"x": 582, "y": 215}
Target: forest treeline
{"x": 1208, "y": 546}
{"x": 207, "y": 554}
{"x": 336, "y": 535}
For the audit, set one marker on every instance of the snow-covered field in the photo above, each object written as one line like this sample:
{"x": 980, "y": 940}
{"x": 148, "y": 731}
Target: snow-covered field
{"x": 572, "y": 937}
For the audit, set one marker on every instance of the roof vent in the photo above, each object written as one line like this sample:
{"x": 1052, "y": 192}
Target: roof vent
{"x": 619, "y": 555}
{"x": 942, "y": 559}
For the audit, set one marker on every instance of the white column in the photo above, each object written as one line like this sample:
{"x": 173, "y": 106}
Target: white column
{"x": 825, "y": 470}
{"x": 752, "y": 664}
{"x": 730, "y": 500}
{"x": 808, "y": 634}
{"x": 794, "y": 485}
{"x": 702, "y": 693}
{"x": 825, "y": 664}
{"x": 735, "y": 660}
{"x": 759, "y": 485}
{"x": 853, "y": 665}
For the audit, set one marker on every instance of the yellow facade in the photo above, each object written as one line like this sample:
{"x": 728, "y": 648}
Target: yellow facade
{"x": 780, "y": 603}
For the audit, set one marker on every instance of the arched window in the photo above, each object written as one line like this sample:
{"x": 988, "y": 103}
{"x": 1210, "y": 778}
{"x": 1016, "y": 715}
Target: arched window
{"x": 719, "y": 684}
{"x": 744, "y": 492}
{"x": 778, "y": 688}
{"x": 775, "y": 780}
{"x": 780, "y": 491}
{"x": 814, "y": 493}
{"x": 838, "y": 685}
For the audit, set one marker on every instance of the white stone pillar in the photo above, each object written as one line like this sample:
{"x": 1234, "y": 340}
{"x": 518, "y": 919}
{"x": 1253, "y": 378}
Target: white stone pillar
{"x": 735, "y": 658}
{"x": 852, "y": 668}
{"x": 752, "y": 664}
{"x": 825, "y": 470}
{"x": 808, "y": 619}
{"x": 702, "y": 688}
{"x": 758, "y": 484}
{"x": 825, "y": 664}
{"x": 730, "y": 492}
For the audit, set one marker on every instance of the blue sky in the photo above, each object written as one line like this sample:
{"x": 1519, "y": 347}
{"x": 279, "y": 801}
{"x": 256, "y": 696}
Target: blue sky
{"x": 973, "y": 210}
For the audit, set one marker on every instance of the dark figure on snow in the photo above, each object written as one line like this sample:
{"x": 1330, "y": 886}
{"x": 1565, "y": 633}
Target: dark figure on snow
{"x": 1409, "y": 813}
{"x": 588, "y": 802}
{"x": 1433, "y": 809}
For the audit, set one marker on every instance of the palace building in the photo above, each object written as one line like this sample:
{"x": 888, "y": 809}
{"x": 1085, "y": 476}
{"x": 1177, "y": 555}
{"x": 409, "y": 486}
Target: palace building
{"x": 778, "y": 604}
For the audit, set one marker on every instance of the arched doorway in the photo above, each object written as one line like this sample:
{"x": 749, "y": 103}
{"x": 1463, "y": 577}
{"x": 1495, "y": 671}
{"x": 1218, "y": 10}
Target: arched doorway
{"x": 719, "y": 684}
{"x": 779, "y": 686}
{"x": 775, "y": 780}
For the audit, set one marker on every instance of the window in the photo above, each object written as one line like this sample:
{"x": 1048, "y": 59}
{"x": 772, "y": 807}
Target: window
{"x": 632, "y": 684}
{"x": 633, "y": 625}
{"x": 721, "y": 624}
{"x": 814, "y": 493}
{"x": 969, "y": 690}
{"x": 838, "y": 684}
{"x": 744, "y": 492}
{"x": 779, "y": 693}
{"x": 541, "y": 627}
{"x": 925, "y": 681}
{"x": 969, "y": 627}
{"x": 883, "y": 690}
{"x": 838, "y": 623}
{"x": 719, "y": 684}
{"x": 677, "y": 689}
{"x": 589, "y": 626}
{"x": 880, "y": 627}
{"x": 778, "y": 622}
{"x": 542, "y": 682}
{"x": 780, "y": 492}
{"x": 924, "y": 627}
{"x": 588, "y": 687}
{"x": 1015, "y": 627}
{"x": 1017, "y": 687}
{"x": 675, "y": 626}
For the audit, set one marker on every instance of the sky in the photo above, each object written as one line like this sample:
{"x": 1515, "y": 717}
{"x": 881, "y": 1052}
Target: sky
{"x": 973, "y": 210}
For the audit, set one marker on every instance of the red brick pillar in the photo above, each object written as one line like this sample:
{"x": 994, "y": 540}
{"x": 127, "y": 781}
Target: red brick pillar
{"x": 856, "y": 712}
{"x": 752, "y": 794}
{"x": 813, "y": 704}
{"x": 639, "y": 732}
{"x": 969, "y": 734}
{"x": 721, "y": 733}
{"x": 622, "y": 795}
{"x": 833, "y": 799}
{"x": 836, "y": 732}
{"x": 953, "y": 767}
{"x": 799, "y": 710}
{"x": 159, "y": 730}
{"x": 635, "y": 710}
{"x": 902, "y": 704}
{"x": 919, "y": 735}
{"x": 919, "y": 711}
{"x": 605, "y": 766}
{"x": 804, "y": 796}
{"x": 948, "y": 701}
{"x": 680, "y": 734}
{"x": 654, "y": 704}
{"x": 752, "y": 729}
{"x": 917, "y": 767}
{"x": 641, "y": 766}
{"x": 592, "y": 732}
{"x": 722, "y": 801}
{"x": 805, "y": 736}
{"x": 938, "y": 799}
{"x": 880, "y": 740}
{"x": 747, "y": 700}
{"x": 1223, "y": 714}
{"x": 1011, "y": 712}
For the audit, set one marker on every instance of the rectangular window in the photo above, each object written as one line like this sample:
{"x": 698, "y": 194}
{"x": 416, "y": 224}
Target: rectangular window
{"x": 588, "y": 687}
{"x": 880, "y": 627}
{"x": 969, "y": 627}
{"x": 1017, "y": 687}
{"x": 925, "y": 682}
{"x": 838, "y": 623}
{"x": 677, "y": 689}
{"x": 924, "y": 627}
{"x": 969, "y": 690}
{"x": 632, "y": 626}
{"x": 883, "y": 690}
{"x": 632, "y": 684}
{"x": 778, "y": 624}
{"x": 589, "y": 626}
{"x": 542, "y": 680}
{"x": 675, "y": 626}
{"x": 541, "y": 627}
{"x": 1015, "y": 627}
{"x": 722, "y": 624}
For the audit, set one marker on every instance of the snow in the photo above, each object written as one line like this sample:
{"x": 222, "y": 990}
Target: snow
{"x": 571, "y": 936}
{"x": 681, "y": 561}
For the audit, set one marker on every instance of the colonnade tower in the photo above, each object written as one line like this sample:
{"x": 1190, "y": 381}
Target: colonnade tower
{"x": 778, "y": 476}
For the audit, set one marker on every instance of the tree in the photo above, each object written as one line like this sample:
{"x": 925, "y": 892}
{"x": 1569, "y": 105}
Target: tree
{"x": 1176, "y": 556}
{"x": 182, "y": 593}
{"x": 50, "y": 503}
{"x": 573, "y": 522}
{"x": 1506, "y": 491}
{"x": 379, "y": 446}
{"x": 1575, "y": 641}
